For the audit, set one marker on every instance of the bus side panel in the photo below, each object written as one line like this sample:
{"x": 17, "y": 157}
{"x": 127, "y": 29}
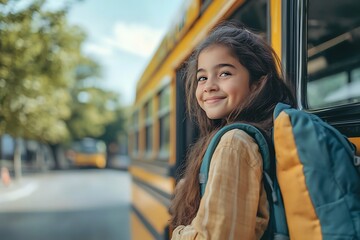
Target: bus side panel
{"x": 138, "y": 230}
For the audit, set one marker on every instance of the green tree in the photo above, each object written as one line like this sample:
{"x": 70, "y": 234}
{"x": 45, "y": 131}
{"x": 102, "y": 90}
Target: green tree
{"x": 92, "y": 110}
{"x": 115, "y": 128}
{"x": 39, "y": 52}
{"x": 49, "y": 89}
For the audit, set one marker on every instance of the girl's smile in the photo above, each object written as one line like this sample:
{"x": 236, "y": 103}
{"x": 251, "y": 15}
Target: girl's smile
{"x": 213, "y": 100}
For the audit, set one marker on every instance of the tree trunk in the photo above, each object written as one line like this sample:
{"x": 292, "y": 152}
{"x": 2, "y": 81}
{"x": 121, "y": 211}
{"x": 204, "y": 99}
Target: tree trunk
{"x": 17, "y": 160}
{"x": 40, "y": 158}
{"x": 54, "y": 151}
{"x": 59, "y": 156}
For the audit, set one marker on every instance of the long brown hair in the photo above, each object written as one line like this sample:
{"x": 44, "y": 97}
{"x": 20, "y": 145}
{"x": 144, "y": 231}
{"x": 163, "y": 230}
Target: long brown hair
{"x": 263, "y": 66}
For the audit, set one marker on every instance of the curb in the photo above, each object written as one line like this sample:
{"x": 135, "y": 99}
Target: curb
{"x": 17, "y": 191}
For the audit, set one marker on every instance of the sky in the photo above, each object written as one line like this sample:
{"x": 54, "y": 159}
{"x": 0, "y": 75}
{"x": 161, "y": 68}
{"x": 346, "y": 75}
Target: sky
{"x": 122, "y": 37}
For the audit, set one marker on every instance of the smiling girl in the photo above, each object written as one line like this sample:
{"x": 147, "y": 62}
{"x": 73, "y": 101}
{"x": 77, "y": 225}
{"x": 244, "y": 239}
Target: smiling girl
{"x": 231, "y": 77}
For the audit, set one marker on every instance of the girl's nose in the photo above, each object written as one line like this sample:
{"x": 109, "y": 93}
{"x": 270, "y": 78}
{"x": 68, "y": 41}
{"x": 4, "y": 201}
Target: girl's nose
{"x": 211, "y": 85}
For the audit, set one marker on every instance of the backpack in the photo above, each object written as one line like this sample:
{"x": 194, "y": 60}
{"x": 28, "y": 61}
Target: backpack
{"x": 312, "y": 184}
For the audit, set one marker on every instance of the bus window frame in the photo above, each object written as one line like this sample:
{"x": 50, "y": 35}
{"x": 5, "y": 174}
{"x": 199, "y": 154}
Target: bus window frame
{"x": 294, "y": 59}
{"x": 163, "y": 112}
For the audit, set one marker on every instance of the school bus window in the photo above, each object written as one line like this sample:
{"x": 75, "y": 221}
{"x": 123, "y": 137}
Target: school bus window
{"x": 148, "y": 110}
{"x": 148, "y": 127}
{"x": 253, "y": 14}
{"x": 164, "y": 99}
{"x": 164, "y": 134}
{"x": 333, "y": 53}
{"x": 355, "y": 76}
{"x": 320, "y": 92}
{"x": 135, "y": 147}
{"x": 164, "y": 122}
{"x": 148, "y": 132}
{"x": 136, "y": 142}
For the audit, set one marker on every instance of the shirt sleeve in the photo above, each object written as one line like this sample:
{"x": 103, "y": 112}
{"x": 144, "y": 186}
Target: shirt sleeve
{"x": 234, "y": 205}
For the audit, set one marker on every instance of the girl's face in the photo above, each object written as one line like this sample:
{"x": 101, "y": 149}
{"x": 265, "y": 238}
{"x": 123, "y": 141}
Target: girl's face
{"x": 223, "y": 83}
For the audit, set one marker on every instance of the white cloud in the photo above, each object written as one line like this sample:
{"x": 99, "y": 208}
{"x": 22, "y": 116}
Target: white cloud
{"x": 137, "y": 39}
{"x": 101, "y": 49}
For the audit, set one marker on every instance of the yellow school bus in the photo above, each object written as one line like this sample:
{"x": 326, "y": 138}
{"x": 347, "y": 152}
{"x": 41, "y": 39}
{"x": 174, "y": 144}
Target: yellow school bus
{"x": 318, "y": 42}
{"x": 88, "y": 152}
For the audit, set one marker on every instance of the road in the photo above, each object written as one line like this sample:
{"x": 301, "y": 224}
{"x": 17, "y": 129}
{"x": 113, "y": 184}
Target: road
{"x": 83, "y": 204}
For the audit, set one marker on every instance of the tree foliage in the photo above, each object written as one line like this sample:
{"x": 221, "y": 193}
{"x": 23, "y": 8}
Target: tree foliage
{"x": 92, "y": 110}
{"x": 115, "y": 129}
{"x": 44, "y": 77}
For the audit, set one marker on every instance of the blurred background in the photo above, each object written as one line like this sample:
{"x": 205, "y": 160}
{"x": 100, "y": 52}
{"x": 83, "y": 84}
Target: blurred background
{"x": 68, "y": 73}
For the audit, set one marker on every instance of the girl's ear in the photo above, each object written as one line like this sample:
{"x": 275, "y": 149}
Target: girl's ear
{"x": 258, "y": 84}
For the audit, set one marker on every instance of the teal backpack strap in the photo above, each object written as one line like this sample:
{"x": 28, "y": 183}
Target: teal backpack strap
{"x": 279, "y": 108}
{"x": 249, "y": 129}
{"x": 277, "y": 227}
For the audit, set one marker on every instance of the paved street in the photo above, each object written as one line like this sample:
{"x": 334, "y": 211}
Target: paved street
{"x": 87, "y": 204}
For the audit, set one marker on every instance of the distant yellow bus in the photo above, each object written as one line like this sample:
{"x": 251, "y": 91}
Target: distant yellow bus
{"x": 318, "y": 42}
{"x": 88, "y": 152}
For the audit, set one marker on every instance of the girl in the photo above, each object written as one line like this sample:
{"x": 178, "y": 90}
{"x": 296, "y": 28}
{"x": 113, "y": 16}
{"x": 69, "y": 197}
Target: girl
{"x": 233, "y": 77}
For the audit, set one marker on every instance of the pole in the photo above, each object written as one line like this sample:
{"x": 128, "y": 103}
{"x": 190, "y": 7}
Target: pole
{"x": 17, "y": 160}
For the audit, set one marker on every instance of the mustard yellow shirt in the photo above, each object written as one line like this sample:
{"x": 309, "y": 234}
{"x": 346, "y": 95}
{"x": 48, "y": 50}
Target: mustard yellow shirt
{"x": 234, "y": 205}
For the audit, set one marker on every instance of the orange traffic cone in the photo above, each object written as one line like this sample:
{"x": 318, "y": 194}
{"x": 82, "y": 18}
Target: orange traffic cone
{"x": 5, "y": 176}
